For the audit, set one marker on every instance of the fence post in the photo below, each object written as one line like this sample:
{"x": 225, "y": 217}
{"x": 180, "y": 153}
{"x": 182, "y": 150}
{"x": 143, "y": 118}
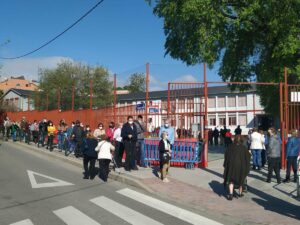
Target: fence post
{"x": 205, "y": 152}
{"x": 147, "y": 90}
{"x": 115, "y": 96}
{"x": 91, "y": 94}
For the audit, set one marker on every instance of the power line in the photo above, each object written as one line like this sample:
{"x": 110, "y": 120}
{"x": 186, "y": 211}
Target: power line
{"x": 57, "y": 36}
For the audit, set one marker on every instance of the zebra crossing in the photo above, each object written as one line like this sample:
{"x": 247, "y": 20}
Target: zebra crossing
{"x": 72, "y": 216}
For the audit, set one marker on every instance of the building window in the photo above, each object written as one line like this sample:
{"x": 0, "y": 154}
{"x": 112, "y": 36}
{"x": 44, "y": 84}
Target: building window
{"x": 211, "y": 102}
{"x": 221, "y": 102}
{"x": 232, "y": 120}
{"x": 243, "y": 120}
{"x": 212, "y": 121}
{"x": 242, "y": 100}
{"x": 222, "y": 121}
{"x": 231, "y": 101}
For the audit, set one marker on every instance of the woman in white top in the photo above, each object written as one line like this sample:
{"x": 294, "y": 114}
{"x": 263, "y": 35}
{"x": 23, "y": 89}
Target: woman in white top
{"x": 118, "y": 145}
{"x": 256, "y": 146}
{"x": 104, "y": 149}
{"x": 99, "y": 131}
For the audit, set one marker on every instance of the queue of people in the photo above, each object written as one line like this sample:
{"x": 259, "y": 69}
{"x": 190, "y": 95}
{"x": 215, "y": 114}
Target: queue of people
{"x": 263, "y": 147}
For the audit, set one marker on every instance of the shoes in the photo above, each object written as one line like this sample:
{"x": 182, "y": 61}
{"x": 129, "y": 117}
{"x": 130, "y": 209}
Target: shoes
{"x": 279, "y": 182}
{"x": 165, "y": 180}
{"x": 85, "y": 177}
{"x": 241, "y": 195}
{"x": 230, "y": 197}
{"x": 268, "y": 180}
{"x": 286, "y": 180}
{"x": 135, "y": 168}
{"x": 295, "y": 180}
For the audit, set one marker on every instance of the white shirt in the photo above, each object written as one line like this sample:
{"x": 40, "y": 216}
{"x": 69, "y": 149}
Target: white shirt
{"x": 104, "y": 149}
{"x": 257, "y": 141}
{"x": 117, "y": 135}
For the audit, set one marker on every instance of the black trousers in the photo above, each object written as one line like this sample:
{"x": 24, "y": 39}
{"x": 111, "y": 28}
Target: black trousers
{"x": 89, "y": 166}
{"x": 119, "y": 150}
{"x": 78, "y": 151}
{"x": 274, "y": 164}
{"x": 291, "y": 162}
{"x": 130, "y": 154}
{"x": 263, "y": 158}
{"x": 50, "y": 142}
{"x": 104, "y": 168}
{"x": 216, "y": 140}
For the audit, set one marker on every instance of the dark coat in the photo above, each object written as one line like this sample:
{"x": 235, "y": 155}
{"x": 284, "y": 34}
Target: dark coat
{"x": 78, "y": 133}
{"x": 161, "y": 148}
{"x": 89, "y": 147}
{"x": 236, "y": 164}
{"x": 126, "y": 130}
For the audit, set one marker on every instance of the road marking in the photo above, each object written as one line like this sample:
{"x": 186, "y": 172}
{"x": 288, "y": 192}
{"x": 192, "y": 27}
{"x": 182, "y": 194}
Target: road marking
{"x": 123, "y": 212}
{"x": 72, "y": 216}
{"x": 23, "y": 222}
{"x": 167, "y": 208}
{"x": 34, "y": 183}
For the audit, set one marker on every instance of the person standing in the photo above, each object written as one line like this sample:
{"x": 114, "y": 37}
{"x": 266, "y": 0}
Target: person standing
{"x": 216, "y": 135}
{"x": 141, "y": 129}
{"x": 51, "y": 132}
{"x": 164, "y": 156}
{"x": 42, "y": 132}
{"x": 104, "y": 149}
{"x": 34, "y": 128}
{"x": 110, "y": 131}
{"x": 129, "y": 137}
{"x": 23, "y": 126}
{"x": 170, "y": 130}
{"x": 7, "y": 126}
{"x": 99, "y": 131}
{"x": 256, "y": 146}
{"x": 263, "y": 152}
{"x": 292, "y": 152}
{"x": 119, "y": 147}
{"x": 273, "y": 152}
{"x": 210, "y": 136}
{"x": 62, "y": 129}
{"x": 222, "y": 135}
{"x": 228, "y": 138}
{"x": 89, "y": 156}
{"x": 238, "y": 130}
{"x": 236, "y": 166}
{"x": 78, "y": 136}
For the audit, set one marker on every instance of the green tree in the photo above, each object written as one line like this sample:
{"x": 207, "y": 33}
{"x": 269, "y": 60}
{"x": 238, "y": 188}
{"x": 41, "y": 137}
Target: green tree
{"x": 60, "y": 81}
{"x": 137, "y": 83}
{"x": 253, "y": 39}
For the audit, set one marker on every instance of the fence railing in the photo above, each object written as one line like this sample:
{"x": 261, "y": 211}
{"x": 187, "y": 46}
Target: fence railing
{"x": 184, "y": 153}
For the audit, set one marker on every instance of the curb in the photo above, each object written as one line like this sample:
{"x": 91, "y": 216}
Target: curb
{"x": 120, "y": 177}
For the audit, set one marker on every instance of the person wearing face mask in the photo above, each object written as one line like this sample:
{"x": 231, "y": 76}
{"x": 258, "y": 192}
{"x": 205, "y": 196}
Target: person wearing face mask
{"x": 141, "y": 129}
{"x": 129, "y": 137}
{"x": 51, "y": 132}
{"x": 168, "y": 129}
{"x": 78, "y": 136}
{"x": 70, "y": 144}
{"x": 99, "y": 131}
{"x": 110, "y": 131}
{"x": 165, "y": 156}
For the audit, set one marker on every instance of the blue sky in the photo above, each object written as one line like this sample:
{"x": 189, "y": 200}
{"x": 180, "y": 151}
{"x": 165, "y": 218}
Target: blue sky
{"x": 120, "y": 35}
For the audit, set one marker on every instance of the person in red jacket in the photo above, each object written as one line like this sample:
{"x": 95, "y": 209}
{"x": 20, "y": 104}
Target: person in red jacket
{"x": 110, "y": 131}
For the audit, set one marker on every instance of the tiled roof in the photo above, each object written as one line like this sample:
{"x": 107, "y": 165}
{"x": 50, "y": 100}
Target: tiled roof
{"x": 19, "y": 92}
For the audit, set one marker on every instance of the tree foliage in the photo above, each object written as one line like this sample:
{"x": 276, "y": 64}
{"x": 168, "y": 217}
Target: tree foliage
{"x": 253, "y": 39}
{"x": 137, "y": 83}
{"x": 59, "y": 82}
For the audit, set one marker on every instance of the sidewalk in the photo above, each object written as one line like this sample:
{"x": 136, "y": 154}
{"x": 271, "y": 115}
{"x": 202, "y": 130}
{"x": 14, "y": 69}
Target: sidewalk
{"x": 202, "y": 189}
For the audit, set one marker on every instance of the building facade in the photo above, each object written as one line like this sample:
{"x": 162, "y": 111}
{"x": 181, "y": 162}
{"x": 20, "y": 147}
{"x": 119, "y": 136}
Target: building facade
{"x": 18, "y": 100}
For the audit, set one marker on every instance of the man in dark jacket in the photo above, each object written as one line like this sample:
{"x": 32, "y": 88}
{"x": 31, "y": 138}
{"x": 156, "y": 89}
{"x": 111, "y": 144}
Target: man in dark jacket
{"x": 129, "y": 137}
{"x": 141, "y": 129}
{"x": 78, "y": 135}
{"x": 89, "y": 156}
{"x": 42, "y": 132}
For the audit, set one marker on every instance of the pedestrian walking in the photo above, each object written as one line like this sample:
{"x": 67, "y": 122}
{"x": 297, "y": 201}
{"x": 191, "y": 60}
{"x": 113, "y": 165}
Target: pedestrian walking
{"x": 119, "y": 146}
{"x": 105, "y": 150}
{"x": 292, "y": 152}
{"x": 89, "y": 156}
{"x": 273, "y": 152}
{"x": 51, "y": 132}
{"x": 165, "y": 156}
{"x": 256, "y": 146}
{"x": 236, "y": 166}
{"x": 129, "y": 137}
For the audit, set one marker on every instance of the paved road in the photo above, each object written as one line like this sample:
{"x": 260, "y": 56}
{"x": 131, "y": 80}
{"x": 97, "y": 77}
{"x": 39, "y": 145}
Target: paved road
{"x": 35, "y": 189}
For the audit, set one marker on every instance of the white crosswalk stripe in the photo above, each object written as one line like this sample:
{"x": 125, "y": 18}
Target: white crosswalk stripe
{"x": 123, "y": 212}
{"x": 72, "y": 216}
{"x": 23, "y": 222}
{"x": 167, "y": 208}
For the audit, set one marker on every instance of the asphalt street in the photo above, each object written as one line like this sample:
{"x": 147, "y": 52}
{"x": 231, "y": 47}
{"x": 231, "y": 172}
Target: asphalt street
{"x": 36, "y": 189}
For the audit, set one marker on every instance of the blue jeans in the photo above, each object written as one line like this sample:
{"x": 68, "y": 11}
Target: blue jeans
{"x": 140, "y": 143}
{"x": 14, "y": 135}
{"x": 61, "y": 138}
{"x": 256, "y": 156}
